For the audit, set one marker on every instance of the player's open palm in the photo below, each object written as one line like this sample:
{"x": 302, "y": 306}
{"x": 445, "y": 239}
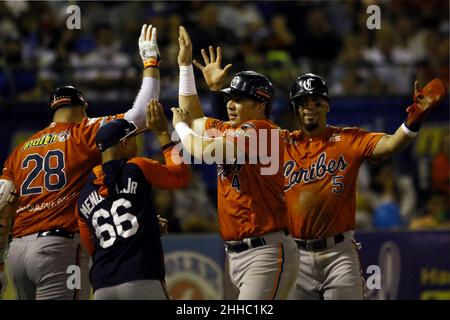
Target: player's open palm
{"x": 212, "y": 71}
{"x": 185, "y": 53}
{"x": 156, "y": 119}
{"x": 148, "y": 46}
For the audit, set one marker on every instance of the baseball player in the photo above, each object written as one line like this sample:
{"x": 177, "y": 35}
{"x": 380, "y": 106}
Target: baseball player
{"x": 321, "y": 164}
{"x": 252, "y": 215}
{"x": 114, "y": 210}
{"x": 321, "y": 167}
{"x": 42, "y": 179}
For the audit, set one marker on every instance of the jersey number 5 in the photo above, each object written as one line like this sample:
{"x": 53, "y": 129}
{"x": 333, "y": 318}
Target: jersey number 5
{"x": 44, "y": 164}
{"x": 337, "y": 183}
{"x": 118, "y": 229}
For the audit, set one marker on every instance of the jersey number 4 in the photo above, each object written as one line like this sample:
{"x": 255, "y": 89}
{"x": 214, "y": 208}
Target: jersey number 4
{"x": 120, "y": 222}
{"x": 43, "y": 164}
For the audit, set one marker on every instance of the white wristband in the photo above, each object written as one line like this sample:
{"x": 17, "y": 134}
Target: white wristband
{"x": 408, "y": 132}
{"x": 183, "y": 130}
{"x": 187, "y": 81}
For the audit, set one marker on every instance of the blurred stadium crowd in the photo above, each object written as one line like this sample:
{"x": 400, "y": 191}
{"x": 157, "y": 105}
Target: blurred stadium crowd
{"x": 280, "y": 40}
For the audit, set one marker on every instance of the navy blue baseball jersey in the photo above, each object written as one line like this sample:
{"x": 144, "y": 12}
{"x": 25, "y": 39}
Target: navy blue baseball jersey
{"x": 116, "y": 213}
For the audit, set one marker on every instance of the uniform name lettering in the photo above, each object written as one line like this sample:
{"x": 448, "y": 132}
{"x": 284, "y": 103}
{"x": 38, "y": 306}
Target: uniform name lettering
{"x": 89, "y": 204}
{"x": 131, "y": 187}
{"x": 318, "y": 170}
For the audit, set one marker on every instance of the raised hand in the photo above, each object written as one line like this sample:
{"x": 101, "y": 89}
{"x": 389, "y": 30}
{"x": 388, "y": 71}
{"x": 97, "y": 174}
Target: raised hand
{"x": 425, "y": 100}
{"x": 156, "y": 119}
{"x": 185, "y": 53}
{"x": 212, "y": 71}
{"x": 148, "y": 47}
{"x": 180, "y": 115}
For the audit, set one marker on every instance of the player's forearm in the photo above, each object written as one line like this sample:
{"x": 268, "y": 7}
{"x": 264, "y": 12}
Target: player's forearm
{"x": 187, "y": 93}
{"x": 211, "y": 150}
{"x": 163, "y": 138}
{"x": 150, "y": 88}
{"x": 151, "y": 72}
{"x": 392, "y": 144}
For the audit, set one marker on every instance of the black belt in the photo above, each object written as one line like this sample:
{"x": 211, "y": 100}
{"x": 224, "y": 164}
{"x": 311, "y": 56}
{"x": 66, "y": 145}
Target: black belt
{"x": 318, "y": 244}
{"x": 242, "y": 246}
{"x": 56, "y": 233}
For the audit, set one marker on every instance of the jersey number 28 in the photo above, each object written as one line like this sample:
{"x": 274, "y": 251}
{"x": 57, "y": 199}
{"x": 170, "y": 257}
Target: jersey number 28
{"x": 44, "y": 164}
{"x": 119, "y": 228}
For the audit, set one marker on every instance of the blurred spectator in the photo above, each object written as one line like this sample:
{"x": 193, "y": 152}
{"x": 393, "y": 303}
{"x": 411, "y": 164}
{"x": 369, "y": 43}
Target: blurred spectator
{"x": 242, "y": 19}
{"x": 193, "y": 207}
{"x": 393, "y": 196}
{"x": 412, "y": 43}
{"x": 317, "y": 41}
{"x": 436, "y": 215}
{"x": 363, "y": 216}
{"x": 440, "y": 167}
{"x": 103, "y": 71}
{"x": 164, "y": 205}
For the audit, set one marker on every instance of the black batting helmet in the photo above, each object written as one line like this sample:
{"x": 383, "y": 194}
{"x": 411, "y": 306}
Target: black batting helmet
{"x": 66, "y": 95}
{"x": 252, "y": 85}
{"x": 308, "y": 84}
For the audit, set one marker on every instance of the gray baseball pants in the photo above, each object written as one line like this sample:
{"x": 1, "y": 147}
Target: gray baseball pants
{"x": 330, "y": 274}
{"x": 133, "y": 290}
{"x": 46, "y": 268}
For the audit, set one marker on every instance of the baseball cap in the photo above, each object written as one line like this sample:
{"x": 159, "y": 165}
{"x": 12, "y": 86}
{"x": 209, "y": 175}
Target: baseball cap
{"x": 113, "y": 132}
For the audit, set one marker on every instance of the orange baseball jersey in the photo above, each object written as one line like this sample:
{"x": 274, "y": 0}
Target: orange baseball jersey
{"x": 49, "y": 170}
{"x": 250, "y": 204}
{"x": 320, "y": 180}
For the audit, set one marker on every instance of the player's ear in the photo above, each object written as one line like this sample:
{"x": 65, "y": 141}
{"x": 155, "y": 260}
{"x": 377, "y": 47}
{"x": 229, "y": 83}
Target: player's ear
{"x": 261, "y": 107}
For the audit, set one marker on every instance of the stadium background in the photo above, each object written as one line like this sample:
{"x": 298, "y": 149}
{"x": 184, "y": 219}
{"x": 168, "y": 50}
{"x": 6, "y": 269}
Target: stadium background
{"x": 370, "y": 74}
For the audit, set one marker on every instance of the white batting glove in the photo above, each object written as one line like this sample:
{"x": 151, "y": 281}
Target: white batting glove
{"x": 148, "y": 47}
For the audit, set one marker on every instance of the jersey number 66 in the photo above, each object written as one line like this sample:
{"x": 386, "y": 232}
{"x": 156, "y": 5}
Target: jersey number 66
{"x": 118, "y": 229}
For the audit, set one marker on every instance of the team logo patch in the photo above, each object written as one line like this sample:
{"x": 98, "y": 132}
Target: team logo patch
{"x": 193, "y": 276}
{"x": 63, "y": 136}
{"x": 307, "y": 84}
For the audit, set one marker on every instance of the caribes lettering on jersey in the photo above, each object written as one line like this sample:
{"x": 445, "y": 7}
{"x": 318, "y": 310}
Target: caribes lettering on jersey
{"x": 317, "y": 170}
{"x": 46, "y": 139}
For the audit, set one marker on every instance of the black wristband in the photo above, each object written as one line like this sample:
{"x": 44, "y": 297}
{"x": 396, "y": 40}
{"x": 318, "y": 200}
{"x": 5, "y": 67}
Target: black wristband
{"x": 414, "y": 127}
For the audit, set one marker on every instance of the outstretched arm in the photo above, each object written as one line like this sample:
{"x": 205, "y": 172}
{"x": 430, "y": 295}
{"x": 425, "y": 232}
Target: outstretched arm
{"x": 210, "y": 150}
{"x": 424, "y": 102}
{"x": 150, "y": 87}
{"x": 174, "y": 174}
{"x": 187, "y": 91}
